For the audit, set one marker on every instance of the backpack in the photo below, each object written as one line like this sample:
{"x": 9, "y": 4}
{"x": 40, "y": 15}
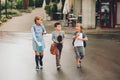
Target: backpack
{"x": 84, "y": 42}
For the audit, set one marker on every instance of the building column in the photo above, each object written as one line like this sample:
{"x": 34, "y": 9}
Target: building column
{"x": 88, "y": 13}
{"x": 77, "y": 7}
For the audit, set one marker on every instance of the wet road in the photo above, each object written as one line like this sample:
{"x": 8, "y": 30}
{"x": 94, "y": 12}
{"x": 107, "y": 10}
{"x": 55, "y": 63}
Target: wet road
{"x": 102, "y": 60}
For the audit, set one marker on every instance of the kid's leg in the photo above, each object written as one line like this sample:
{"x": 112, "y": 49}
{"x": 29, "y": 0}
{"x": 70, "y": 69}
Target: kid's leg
{"x": 40, "y": 59}
{"x": 37, "y": 60}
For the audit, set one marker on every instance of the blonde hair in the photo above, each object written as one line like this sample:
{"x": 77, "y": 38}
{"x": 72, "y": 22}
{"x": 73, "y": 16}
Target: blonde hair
{"x": 37, "y": 18}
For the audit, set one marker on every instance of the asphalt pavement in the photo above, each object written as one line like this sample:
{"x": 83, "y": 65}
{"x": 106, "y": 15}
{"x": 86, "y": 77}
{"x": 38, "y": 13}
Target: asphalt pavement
{"x": 101, "y": 62}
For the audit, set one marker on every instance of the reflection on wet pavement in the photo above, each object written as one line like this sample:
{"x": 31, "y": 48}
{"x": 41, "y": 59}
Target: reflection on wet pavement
{"x": 17, "y": 59}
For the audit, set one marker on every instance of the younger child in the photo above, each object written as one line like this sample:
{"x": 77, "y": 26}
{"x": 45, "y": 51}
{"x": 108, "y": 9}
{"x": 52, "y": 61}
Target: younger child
{"x": 79, "y": 37}
{"x": 58, "y": 37}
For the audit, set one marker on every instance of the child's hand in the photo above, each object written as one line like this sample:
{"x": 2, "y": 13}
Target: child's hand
{"x": 44, "y": 33}
{"x": 80, "y": 39}
{"x": 39, "y": 43}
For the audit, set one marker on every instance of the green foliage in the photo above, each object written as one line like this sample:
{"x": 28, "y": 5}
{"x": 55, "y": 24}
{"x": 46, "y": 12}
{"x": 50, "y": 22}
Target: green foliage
{"x": 48, "y": 9}
{"x": 19, "y": 4}
{"x": 47, "y": 2}
{"x": 3, "y": 19}
{"x": 12, "y": 12}
{"x": 29, "y": 10}
{"x": 38, "y": 3}
{"x": 54, "y": 8}
{"x": 31, "y": 3}
{"x": 0, "y": 22}
{"x": 8, "y": 5}
{"x": 55, "y": 1}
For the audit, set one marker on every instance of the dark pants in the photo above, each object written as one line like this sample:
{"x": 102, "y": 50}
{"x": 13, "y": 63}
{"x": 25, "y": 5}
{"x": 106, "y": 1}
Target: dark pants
{"x": 58, "y": 55}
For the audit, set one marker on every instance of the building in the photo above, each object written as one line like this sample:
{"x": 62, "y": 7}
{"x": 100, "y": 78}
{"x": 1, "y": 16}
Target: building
{"x": 106, "y": 12}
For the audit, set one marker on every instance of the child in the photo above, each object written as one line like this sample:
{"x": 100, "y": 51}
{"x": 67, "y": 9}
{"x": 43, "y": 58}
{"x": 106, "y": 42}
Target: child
{"x": 58, "y": 37}
{"x": 37, "y": 33}
{"x": 79, "y": 37}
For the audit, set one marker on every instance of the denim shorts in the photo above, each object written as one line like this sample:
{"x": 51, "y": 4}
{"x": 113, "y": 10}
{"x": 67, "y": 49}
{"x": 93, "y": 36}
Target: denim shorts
{"x": 79, "y": 51}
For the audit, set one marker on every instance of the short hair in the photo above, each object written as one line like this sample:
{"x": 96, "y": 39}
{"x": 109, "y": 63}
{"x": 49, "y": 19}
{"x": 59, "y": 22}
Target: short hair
{"x": 37, "y": 18}
{"x": 56, "y": 24}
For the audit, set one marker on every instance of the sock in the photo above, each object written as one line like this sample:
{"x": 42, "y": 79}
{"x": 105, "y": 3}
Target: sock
{"x": 36, "y": 60}
{"x": 41, "y": 62}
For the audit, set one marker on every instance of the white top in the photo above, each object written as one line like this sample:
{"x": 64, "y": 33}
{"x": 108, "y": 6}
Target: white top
{"x": 79, "y": 42}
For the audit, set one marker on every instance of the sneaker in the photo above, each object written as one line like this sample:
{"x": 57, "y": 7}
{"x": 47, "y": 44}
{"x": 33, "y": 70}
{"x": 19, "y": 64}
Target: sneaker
{"x": 78, "y": 65}
{"x": 58, "y": 67}
{"x": 41, "y": 67}
{"x": 37, "y": 67}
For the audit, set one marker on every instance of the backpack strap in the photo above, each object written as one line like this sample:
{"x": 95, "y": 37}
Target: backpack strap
{"x": 83, "y": 34}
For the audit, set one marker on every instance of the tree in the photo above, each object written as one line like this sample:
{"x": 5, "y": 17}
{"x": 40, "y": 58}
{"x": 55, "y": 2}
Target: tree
{"x": 32, "y": 3}
{"x": 25, "y": 4}
{"x": 38, "y": 3}
{"x": 11, "y": 3}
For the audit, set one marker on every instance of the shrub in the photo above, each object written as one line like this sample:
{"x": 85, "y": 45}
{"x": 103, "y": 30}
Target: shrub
{"x": 19, "y": 4}
{"x": 0, "y": 22}
{"x": 31, "y": 3}
{"x": 8, "y": 5}
{"x": 12, "y": 12}
{"x": 29, "y": 10}
{"x": 38, "y": 3}
{"x": 48, "y": 9}
{"x": 54, "y": 8}
{"x": 3, "y": 19}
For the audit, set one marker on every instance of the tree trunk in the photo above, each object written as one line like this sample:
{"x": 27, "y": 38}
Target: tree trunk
{"x": 25, "y": 4}
{"x": 6, "y": 8}
{"x": 0, "y": 9}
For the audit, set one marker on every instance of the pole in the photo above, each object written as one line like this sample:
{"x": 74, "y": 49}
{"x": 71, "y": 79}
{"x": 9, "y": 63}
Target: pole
{"x": 6, "y": 8}
{"x": 0, "y": 9}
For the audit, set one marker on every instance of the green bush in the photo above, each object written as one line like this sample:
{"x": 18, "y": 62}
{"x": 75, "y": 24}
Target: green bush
{"x": 31, "y": 3}
{"x": 3, "y": 19}
{"x": 47, "y": 2}
{"x": 8, "y": 5}
{"x": 29, "y": 10}
{"x": 54, "y": 8}
{"x": 0, "y": 22}
{"x": 12, "y": 12}
{"x": 48, "y": 9}
{"x": 38, "y": 3}
{"x": 19, "y": 4}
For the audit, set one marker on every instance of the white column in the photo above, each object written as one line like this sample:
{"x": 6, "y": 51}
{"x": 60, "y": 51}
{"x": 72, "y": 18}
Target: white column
{"x": 88, "y": 13}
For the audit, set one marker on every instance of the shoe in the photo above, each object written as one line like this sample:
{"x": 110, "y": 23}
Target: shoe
{"x": 41, "y": 63}
{"x": 78, "y": 65}
{"x": 58, "y": 67}
{"x": 41, "y": 67}
{"x": 37, "y": 67}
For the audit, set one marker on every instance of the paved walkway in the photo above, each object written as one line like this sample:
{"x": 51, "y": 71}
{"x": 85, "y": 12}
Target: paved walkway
{"x": 22, "y": 23}
{"x": 17, "y": 59}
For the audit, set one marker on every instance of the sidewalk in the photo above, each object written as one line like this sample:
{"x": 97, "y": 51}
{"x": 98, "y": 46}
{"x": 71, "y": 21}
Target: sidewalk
{"x": 24, "y": 23}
